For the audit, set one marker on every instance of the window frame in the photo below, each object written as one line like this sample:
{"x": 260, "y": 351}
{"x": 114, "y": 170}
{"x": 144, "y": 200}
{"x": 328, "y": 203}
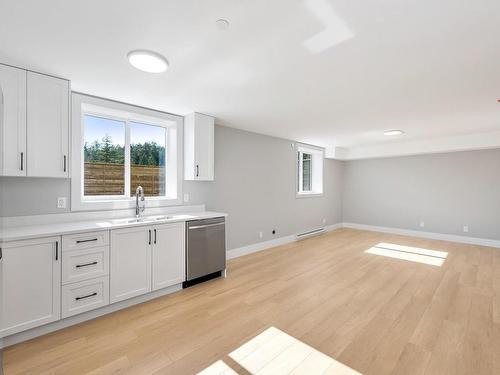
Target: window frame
{"x": 88, "y": 105}
{"x": 300, "y": 184}
{"x": 317, "y": 170}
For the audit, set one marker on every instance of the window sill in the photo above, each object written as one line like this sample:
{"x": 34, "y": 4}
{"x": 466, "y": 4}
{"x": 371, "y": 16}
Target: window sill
{"x": 120, "y": 204}
{"x": 308, "y": 195}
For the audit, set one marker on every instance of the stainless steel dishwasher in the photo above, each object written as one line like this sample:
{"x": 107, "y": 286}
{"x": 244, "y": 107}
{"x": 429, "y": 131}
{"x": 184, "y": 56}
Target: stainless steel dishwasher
{"x": 205, "y": 250}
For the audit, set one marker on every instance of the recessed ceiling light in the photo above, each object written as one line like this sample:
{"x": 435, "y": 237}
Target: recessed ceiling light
{"x": 147, "y": 61}
{"x": 393, "y": 132}
{"x": 222, "y": 24}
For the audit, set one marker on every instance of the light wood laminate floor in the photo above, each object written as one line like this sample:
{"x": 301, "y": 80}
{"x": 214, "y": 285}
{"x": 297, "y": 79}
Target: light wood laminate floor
{"x": 373, "y": 313}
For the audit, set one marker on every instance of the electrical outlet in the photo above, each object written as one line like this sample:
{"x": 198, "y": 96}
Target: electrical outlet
{"x": 466, "y": 229}
{"x": 261, "y": 234}
{"x": 324, "y": 221}
{"x": 61, "y": 202}
{"x": 186, "y": 197}
{"x": 422, "y": 224}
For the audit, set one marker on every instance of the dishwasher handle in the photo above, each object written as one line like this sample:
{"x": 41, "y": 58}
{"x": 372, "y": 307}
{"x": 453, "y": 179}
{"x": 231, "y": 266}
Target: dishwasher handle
{"x": 206, "y": 225}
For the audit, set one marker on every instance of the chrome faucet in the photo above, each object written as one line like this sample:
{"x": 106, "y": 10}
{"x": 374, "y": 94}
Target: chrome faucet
{"x": 139, "y": 209}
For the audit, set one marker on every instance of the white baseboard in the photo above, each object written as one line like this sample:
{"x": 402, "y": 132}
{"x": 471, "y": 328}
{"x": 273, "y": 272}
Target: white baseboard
{"x": 259, "y": 246}
{"x": 51, "y": 327}
{"x": 422, "y": 234}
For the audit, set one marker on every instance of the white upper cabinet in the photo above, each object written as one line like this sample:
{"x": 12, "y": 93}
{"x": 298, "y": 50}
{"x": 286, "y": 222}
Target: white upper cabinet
{"x": 199, "y": 147}
{"x": 30, "y": 284}
{"x": 34, "y": 124}
{"x": 12, "y": 121}
{"x": 48, "y": 126}
{"x": 169, "y": 255}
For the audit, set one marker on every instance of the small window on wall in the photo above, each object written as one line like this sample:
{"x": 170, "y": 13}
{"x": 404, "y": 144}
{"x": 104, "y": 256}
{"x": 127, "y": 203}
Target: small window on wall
{"x": 123, "y": 147}
{"x": 309, "y": 171}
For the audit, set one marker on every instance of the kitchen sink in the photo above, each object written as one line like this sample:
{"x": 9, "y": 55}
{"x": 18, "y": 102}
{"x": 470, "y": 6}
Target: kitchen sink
{"x": 145, "y": 219}
{"x": 149, "y": 219}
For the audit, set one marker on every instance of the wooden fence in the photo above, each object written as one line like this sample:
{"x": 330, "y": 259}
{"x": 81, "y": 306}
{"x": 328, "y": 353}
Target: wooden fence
{"x": 108, "y": 179}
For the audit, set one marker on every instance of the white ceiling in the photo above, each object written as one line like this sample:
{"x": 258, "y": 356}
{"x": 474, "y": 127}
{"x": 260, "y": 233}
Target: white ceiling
{"x": 326, "y": 72}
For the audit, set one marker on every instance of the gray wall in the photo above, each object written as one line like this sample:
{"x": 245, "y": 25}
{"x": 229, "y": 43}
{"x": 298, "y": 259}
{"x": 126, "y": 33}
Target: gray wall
{"x": 21, "y": 196}
{"x": 446, "y": 191}
{"x": 254, "y": 183}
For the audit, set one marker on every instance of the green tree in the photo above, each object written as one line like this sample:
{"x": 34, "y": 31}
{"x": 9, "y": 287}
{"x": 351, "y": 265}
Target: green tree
{"x": 104, "y": 151}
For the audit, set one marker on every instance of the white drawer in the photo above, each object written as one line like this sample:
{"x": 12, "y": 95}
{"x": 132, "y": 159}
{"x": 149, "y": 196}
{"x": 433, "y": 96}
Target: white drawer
{"x": 85, "y": 240}
{"x": 85, "y": 296}
{"x": 79, "y": 265}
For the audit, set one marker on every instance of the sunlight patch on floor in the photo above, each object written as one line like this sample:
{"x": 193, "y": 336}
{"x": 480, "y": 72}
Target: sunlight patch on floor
{"x": 273, "y": 352}
{"x": 219, "y": 368}
{"x": 409, "y": 253}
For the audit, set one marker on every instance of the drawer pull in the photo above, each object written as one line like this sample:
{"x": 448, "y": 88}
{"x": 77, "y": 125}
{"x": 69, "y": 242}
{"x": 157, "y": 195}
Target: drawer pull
{"x": 87, "y": 296}
{"x": 91, "y": 240}
{"x": 86, "y": 264}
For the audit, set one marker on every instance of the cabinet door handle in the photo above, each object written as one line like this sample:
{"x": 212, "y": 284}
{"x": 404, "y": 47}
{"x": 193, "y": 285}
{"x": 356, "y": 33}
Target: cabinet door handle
{"x": 150, "y": 236}
{"x": 57, "y": 250}
{"x": 91, "y": 240}
{"x": 155, "y": 236}
{"x": 86, "y": 264}
{"x": 197, "y": 170}
{"x": 64, "y": 163}
{"x": 1, "y": 254}
{"x": 87, "y": 296}
{"x": 22, "y": 161}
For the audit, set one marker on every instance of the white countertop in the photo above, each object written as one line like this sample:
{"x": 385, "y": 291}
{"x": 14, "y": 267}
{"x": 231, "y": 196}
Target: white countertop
{"x": 55, "y": 229}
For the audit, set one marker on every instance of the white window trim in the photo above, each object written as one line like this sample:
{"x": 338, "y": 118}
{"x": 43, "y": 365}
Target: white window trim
{"x": 84, "y": 104}
{"x": 317, "y": 165}
{"x": 301, "y": 172}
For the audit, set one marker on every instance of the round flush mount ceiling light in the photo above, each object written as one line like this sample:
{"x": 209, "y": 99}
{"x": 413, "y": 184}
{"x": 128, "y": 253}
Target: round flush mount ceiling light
{"x": 222, "y": 24}
{"x": 393, "y": 132}
{"x": 147, "y": 61}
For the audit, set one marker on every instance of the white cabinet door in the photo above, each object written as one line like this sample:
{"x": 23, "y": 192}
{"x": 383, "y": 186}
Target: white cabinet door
{"x": 199, "y": 147}
{"x": 48, "y": 126}
{"x": 12, "y": 121}
{"x": 130, "y": 263}
{"x": 169, "y": 255}
{"x": 30, "y": 273}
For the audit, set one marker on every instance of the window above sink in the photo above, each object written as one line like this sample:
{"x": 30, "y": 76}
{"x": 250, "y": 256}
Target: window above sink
{"x": 117, "y": 147}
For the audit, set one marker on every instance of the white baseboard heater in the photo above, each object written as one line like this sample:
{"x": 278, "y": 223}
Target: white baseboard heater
{"x": 310, "y": 233}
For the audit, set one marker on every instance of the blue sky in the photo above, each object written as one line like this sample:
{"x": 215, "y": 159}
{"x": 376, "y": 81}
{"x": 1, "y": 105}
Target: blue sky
{"x": 97, "y": 127}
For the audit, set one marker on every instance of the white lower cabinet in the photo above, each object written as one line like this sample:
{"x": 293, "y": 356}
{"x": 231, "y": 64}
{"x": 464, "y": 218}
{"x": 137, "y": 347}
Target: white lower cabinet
{"x": 169, "y": 255}
{"x": 85, "y": 296}
{"x": 145, "y": 259}
{"x": 130, "y": 263}
{"x": 42, "y": 281}
{"x": 30, "y": 275}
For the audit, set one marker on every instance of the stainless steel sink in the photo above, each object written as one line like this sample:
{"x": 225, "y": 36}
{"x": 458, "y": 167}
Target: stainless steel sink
{"x": 148, "y": 219}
